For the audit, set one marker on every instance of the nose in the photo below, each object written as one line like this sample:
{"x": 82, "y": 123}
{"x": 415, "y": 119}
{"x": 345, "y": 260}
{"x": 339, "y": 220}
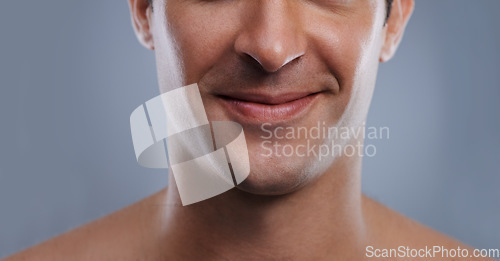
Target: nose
{"x": 271, "y": 36}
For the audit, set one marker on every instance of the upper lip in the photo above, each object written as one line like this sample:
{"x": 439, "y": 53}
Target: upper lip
{"x": 266, "y": 98}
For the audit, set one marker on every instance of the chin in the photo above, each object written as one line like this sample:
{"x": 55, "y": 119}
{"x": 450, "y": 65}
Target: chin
{"x": 273, "y": 175}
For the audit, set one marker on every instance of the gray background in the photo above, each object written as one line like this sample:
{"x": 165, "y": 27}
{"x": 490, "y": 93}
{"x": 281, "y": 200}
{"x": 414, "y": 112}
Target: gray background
{"x": 71, "y": 72}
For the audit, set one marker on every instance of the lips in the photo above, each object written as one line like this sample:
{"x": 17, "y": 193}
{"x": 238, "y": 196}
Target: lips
{"x": 268, "y": 108}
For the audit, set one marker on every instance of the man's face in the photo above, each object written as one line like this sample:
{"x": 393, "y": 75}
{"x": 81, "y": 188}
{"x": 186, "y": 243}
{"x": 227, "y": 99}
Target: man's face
{"x": 274, "y": 65}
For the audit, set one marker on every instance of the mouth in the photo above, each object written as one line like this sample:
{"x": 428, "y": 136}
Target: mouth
{"x": 268, "y": 108}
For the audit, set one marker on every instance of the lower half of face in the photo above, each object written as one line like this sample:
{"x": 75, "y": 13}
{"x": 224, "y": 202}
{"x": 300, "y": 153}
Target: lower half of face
{"x": 295, "y": 75}
{"x": 283, "y": 140}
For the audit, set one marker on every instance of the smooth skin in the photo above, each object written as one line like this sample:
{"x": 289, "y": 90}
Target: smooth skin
{"x": 293, "y": 208}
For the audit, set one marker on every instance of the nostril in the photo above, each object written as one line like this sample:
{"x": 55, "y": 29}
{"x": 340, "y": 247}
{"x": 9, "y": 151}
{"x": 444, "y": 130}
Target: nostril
{"x": 270, "y": 65}
{"x": 253, "y": 61}
{"x": 269, "y": 52}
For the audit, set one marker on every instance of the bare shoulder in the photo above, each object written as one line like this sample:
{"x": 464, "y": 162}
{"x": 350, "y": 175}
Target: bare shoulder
{"x": 127, "y": 233}
{"x": 391, "y": 230}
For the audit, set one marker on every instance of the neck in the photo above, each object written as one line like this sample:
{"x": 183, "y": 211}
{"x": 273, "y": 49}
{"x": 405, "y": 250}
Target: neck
{"x": 322, "y": 219}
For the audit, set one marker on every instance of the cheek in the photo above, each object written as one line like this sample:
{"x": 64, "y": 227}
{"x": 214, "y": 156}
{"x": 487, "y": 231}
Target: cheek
{"x": 203, "y": 34}
{"x": 349, "y": 47}
{"x": 345, "y": 46}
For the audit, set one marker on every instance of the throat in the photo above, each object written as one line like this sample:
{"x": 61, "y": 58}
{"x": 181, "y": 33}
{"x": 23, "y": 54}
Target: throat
{"x": 322, "y": 219}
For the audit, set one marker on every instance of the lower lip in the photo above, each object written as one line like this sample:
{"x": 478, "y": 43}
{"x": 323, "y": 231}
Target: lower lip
{"x": 251, "y": 111}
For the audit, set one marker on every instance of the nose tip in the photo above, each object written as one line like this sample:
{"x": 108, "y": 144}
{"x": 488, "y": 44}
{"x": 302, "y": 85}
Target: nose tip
{"x": 274, "y": 58}
{"x": 273, "y": 38}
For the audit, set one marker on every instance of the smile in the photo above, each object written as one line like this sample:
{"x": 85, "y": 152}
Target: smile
{"x": 265, "y": 108}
